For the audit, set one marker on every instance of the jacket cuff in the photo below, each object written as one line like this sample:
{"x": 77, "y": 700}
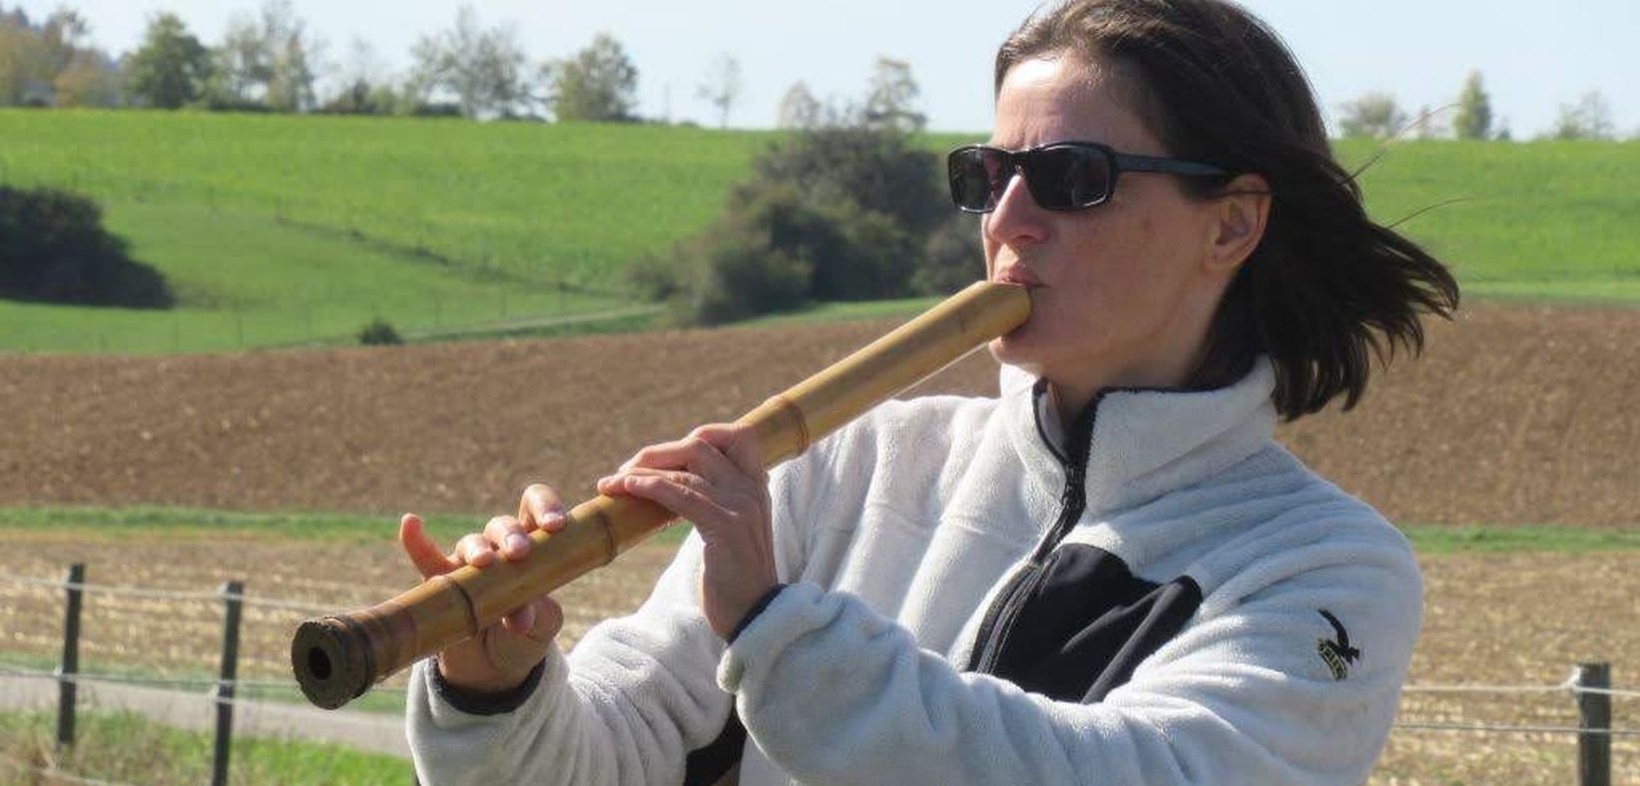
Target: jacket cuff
{"x": 477, "y": 702}
{"x": 756, "y": 609}
{"x": 793, "y": 612}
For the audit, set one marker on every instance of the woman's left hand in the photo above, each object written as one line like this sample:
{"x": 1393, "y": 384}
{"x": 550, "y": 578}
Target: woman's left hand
{"x": 715, "y": 479}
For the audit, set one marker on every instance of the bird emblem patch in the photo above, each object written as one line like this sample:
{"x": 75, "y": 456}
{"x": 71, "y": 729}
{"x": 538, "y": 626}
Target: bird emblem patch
{"x": 1338, "y": 654}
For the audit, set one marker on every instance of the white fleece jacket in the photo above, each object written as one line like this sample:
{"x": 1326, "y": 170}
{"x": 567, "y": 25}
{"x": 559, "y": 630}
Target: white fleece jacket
{"x": 897, "y": 533}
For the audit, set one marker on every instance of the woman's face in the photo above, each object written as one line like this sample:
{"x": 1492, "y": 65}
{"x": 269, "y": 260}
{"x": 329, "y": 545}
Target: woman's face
{"x": 1122, "y": 293}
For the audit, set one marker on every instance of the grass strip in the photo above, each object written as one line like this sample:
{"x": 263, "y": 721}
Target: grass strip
{"x": 106, "y": 744}
{"x": 145, "y": 522}
{"x": 1547, "y": 539}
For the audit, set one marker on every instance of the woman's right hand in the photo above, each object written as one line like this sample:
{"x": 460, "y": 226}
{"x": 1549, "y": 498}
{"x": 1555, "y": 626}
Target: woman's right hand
{"x": 502, "y": 655}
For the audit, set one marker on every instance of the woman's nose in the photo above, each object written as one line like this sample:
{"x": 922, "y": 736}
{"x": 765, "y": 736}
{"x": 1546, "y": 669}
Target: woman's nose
{"x": 1017, "y": 218}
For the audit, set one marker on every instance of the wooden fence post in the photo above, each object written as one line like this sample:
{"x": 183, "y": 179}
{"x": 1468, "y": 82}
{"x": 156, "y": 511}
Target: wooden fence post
{"x": 1594, "y": 747}
{"x": 233, "y": 598}
{"x": 66, "y": 686}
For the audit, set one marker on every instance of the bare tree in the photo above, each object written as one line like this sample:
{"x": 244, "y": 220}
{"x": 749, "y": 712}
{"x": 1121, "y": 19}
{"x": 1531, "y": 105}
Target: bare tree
{"x": 891, "y": 102}
{"x": 799, "y": 109}
{"x": 271, "y": 59}
{"x": 243, "y": 63}
{"x": 360, "y": 64}
{"x": 295, "y": 58}
{"x": 1374, "y": 114}
{"x": 722, "y": 87}
{"x": 483, "y": 69}
{"x": 1589, "y": 118}
{"x": 360, "y": 84}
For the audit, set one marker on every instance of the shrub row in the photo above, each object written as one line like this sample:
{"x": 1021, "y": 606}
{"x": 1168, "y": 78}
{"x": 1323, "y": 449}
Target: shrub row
{"x": 830, "y": 214}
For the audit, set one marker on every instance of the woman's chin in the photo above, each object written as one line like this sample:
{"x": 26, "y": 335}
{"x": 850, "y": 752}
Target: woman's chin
{"x": 1010, "y": 350}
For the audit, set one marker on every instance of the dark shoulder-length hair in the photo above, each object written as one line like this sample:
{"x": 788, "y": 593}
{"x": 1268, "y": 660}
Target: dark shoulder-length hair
{"x": 1327, "y": 288}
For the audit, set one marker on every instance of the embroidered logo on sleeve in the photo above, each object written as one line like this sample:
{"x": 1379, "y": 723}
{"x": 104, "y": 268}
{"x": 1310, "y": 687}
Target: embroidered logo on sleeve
{"x": 1338, "y": 654}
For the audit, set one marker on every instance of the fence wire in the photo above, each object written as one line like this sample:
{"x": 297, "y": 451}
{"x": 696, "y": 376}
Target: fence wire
{"x": 196, "y": 682}
{"x": 213, "y": 689}
{"x": 1506, "y": 728}
{"x": 143, "y": 592}
{"x": 1569, "y": 686}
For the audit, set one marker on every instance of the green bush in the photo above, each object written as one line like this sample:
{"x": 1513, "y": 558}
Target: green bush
{"x": 831, "y": 214}
{"x": 953, "y": 258}
{"x": 656, "y": 277}
{"x": 379, "y": 332}
{"x": 876, "y": 170}
{"x": 53, "y": 249}
{"x": 737, "y": 274}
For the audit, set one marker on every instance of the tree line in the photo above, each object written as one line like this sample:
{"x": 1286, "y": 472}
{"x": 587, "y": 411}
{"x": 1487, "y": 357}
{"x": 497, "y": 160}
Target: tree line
{"x": 849, "y": 206}
{"x": 272, "y": 61}
{"x": 1376, "y": 114}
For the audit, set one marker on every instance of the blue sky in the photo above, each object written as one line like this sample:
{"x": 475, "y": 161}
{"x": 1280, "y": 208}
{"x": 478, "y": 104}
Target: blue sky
{"x": 1534, "y": 56}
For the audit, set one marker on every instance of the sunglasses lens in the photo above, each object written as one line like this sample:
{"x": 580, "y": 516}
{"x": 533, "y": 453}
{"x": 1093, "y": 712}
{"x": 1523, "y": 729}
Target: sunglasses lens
{"x": 1068, "y": 178}
{"x": 1061, "y": 177}
{"x": 978, "y": 177}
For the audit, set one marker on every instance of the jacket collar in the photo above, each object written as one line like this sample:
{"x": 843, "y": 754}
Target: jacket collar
{"x": 1144, "y": 443}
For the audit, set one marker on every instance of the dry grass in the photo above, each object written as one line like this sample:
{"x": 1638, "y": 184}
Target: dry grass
{"x": 1516, "y": 619}
{"x": 1498, "y": 619}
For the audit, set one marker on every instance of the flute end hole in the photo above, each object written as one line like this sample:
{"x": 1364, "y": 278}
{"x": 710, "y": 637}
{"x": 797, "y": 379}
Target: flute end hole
{"x": 318, "y": 664}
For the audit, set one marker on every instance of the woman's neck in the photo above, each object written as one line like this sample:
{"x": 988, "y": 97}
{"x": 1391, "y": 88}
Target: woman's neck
{"x": 1067, "y": 403}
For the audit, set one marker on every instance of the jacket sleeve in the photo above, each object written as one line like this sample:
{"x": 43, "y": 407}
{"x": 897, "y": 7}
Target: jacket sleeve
{"x": 625, "y": 707}
{"x": 836, "y": 694}
{"x": 634, "y": 697}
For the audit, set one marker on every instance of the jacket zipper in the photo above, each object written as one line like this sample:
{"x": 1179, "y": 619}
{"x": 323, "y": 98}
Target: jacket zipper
{"x": 999, "y": 620}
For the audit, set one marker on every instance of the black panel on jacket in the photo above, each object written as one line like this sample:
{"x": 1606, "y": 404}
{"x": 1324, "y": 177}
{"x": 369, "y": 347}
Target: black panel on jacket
{"x": 706, "y": 766}
{"x": 1089, "y": 623}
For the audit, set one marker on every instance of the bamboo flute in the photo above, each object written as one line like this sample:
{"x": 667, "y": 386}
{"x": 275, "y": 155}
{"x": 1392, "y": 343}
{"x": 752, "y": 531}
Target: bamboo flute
{"x": 337, "y": 658}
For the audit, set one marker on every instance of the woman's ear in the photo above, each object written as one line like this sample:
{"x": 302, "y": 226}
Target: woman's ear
{"x": 1242, "y": 214}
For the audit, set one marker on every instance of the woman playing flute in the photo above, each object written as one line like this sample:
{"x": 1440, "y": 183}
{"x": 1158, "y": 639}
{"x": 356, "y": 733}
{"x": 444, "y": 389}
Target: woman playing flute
{"x": 1110, "y": 573}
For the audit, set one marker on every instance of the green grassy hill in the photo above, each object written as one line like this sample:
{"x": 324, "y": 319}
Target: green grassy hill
{"x": 1557, "y": 220}
{"x": 279, "y": 230}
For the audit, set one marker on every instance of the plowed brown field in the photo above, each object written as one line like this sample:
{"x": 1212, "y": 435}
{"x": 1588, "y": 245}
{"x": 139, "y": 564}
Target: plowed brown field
{"x": 1513, "y": 415}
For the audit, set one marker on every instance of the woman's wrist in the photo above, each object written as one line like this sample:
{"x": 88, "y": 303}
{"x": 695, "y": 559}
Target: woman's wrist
{"x": 752, "y": 613}
{"x": 489, "y": 697}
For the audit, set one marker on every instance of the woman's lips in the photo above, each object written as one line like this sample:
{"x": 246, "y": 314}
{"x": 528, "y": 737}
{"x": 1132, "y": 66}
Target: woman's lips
{"x": 1018, "y": 277}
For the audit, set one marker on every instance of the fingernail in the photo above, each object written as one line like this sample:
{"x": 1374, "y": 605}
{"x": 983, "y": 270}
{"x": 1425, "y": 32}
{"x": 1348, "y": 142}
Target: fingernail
{"x": 517, "y": 543}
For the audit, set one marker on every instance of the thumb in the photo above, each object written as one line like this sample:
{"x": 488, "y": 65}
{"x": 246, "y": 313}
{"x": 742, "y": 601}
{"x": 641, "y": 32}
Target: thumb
{"x": 739, "y": 443}
{"x": 424, "y": 554}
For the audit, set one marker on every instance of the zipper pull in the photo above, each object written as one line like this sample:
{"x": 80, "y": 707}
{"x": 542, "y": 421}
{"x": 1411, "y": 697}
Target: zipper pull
{"x": 1076, "y": 478}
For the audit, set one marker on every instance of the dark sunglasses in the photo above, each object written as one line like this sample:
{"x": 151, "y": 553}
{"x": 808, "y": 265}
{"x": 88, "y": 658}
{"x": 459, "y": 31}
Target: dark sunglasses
{"x": 1062, "y": 175}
